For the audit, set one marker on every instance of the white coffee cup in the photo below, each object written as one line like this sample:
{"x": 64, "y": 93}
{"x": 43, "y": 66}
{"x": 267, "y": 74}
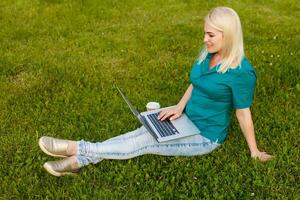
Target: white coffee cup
{"x": 152, "y": 106}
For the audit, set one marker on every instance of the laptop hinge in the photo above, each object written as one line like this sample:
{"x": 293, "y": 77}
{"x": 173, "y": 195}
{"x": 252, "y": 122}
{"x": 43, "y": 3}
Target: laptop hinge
{"x": 147, "y": 126}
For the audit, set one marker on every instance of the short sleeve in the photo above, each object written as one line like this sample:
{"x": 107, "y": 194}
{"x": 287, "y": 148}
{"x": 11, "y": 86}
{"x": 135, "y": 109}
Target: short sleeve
{"x": 243, "y": 88}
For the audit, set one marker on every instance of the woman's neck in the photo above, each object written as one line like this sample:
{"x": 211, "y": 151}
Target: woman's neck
{"x": 215, "y": 60}
{"x": 217, "y": 56}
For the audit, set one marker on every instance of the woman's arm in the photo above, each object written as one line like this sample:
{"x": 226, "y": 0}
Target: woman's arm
{"x": 176, "y": 112}
{"x": 245, "y": 120}
{"x": 183, "y": 101}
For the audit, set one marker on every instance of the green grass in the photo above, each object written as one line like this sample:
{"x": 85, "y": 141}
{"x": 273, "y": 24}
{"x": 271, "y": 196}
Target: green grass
{"x": 60, "y": 59}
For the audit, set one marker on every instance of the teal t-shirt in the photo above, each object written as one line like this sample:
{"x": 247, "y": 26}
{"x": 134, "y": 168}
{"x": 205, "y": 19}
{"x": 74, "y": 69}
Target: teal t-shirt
{"x": 215, "y": 95}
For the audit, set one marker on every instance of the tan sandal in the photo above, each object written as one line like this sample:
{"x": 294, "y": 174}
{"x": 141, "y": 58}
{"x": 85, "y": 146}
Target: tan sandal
{"x": 54, "y": 147}
{"x": 61, "y": 167}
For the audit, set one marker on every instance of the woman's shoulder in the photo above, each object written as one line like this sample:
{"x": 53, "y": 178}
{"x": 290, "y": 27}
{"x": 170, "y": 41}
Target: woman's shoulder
{"x": 246, "y": 65}
{"x": 243, "y": 72}
{"x": 244, "y": 68}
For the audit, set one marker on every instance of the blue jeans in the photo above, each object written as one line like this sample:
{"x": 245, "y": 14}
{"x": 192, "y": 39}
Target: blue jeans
{"x": 140, "y": 142}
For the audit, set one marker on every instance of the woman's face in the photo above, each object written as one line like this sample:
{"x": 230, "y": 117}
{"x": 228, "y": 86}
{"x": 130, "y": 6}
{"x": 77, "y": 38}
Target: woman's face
{"x": 213, "y": 39}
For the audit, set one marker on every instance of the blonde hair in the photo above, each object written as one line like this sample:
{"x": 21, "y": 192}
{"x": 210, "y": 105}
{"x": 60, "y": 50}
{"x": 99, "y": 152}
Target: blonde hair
{"x": 227, "y": 21}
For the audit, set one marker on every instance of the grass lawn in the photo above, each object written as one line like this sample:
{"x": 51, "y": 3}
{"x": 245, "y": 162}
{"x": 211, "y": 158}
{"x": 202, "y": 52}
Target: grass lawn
{"x": 60, "y": 59}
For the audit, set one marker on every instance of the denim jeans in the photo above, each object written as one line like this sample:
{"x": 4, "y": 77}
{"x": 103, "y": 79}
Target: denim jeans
{"x": 140, "y": 142}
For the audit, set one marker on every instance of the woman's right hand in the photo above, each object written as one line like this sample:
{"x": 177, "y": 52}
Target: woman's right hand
{"x": 171, "y": 113}
{"x": 262, "y": 156}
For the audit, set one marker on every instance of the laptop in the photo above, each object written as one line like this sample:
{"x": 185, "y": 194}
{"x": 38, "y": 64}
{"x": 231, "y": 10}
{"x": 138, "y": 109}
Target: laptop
{"x": 166, "y": 130}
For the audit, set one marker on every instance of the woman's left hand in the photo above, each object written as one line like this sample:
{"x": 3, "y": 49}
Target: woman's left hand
{"x": 262, "y": 156}
{"x": 171, "y": 113}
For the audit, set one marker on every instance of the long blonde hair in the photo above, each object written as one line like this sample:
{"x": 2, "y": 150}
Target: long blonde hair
{"x": 227, "y": 21}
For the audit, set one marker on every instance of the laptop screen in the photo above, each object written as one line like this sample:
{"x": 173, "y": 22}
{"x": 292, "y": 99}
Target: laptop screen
{"x": 133, "y": 110}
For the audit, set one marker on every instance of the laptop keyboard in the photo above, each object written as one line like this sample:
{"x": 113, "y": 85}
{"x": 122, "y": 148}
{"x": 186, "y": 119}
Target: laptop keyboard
{"x": 164, "y": 128}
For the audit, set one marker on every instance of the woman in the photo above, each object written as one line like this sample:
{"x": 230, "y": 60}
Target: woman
{"x": 222, "y": 79}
